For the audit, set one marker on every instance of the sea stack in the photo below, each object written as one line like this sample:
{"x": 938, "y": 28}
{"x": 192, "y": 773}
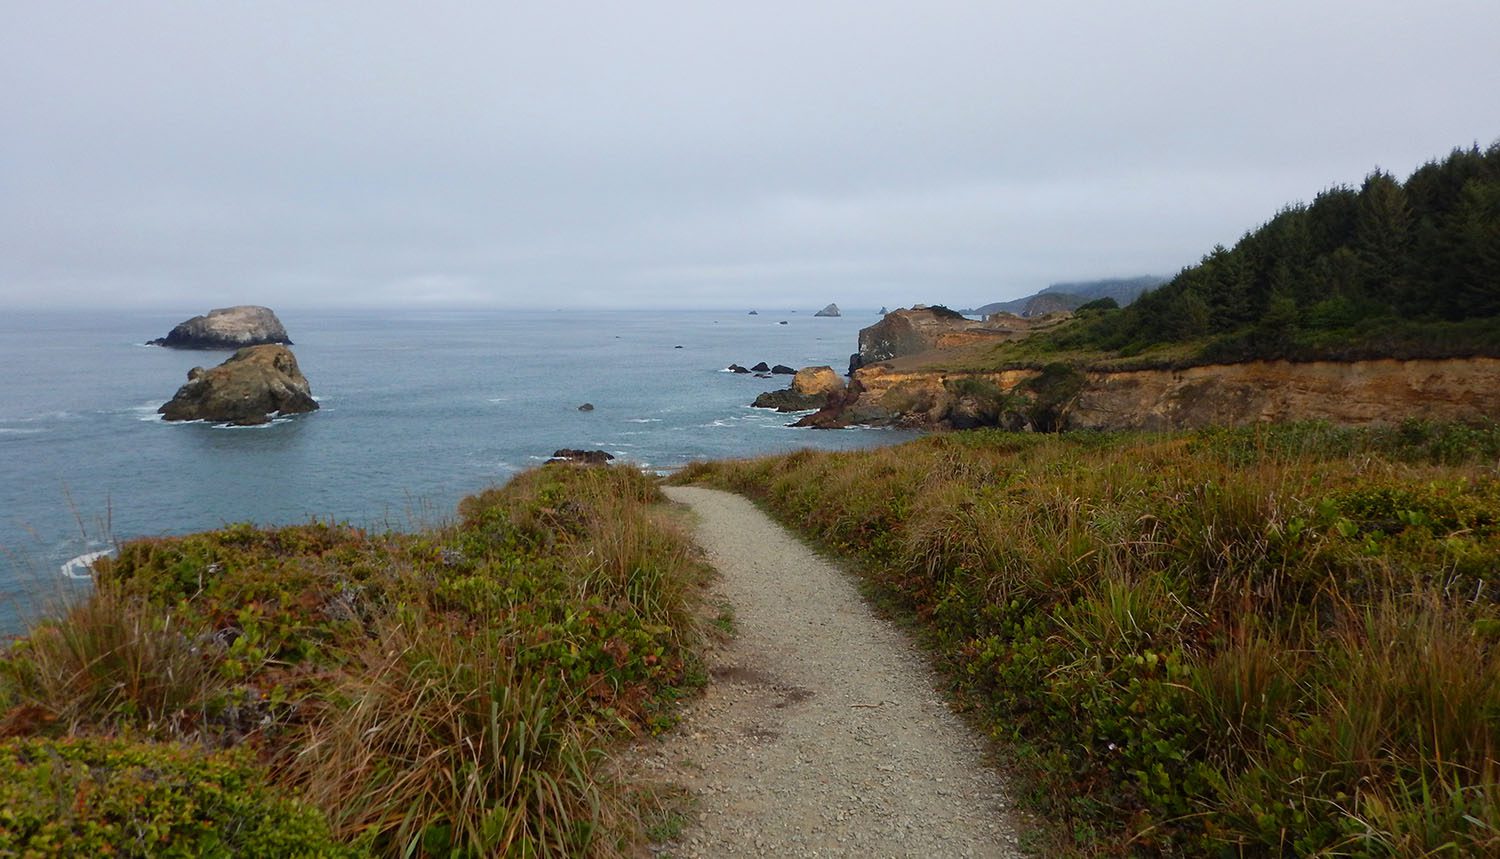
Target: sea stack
{"x": 809, "y": 390}
{"x": 227, "y": 328}
{"x": 247, "y": 389}
{"x": 830, "y": 310}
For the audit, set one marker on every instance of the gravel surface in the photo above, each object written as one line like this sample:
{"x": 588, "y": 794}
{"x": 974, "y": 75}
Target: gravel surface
{"x": 821, "y": 734}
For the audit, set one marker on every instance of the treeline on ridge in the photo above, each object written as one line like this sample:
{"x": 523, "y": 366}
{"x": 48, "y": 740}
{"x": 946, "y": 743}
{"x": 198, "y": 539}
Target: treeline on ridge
{"x": 1390, "y": 269}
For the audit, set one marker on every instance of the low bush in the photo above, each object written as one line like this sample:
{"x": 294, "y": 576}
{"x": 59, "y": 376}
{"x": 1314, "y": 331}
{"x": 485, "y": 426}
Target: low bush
{"x": 86, "y": 797}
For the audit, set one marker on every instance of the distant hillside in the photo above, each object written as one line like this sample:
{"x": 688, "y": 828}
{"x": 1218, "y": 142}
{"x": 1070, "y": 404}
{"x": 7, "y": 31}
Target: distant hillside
{"x": 1390, "y": 269}
{"x": 1071, "y": 296}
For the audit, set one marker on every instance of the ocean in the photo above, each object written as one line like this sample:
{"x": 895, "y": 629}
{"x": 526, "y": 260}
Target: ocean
{"x": 418, "y": 409}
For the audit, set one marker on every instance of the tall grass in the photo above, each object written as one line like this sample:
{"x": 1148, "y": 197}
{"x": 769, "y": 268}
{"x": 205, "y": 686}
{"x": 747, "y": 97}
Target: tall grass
{"x": 440, "y": 744}
{"x": 1261, "y": 641}
{"x": 450, "y": 692}
{"x": 113, "y": 660}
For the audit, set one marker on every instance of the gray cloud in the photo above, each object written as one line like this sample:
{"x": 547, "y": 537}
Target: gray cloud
{"x": 658, "y": 154}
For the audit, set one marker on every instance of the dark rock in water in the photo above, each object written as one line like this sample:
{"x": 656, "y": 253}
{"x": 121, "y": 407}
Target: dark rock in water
{"x": 755, "y": 313}
{"x": 762, "y": 367}
{"x": 762, "y": 375}
{"x": 783, "y": 370}
{"x": 676, "y": 347}
{"x": 830, "y": 310}
{"x": 782, "y": 322}
{"x": 855, "y": 362}
{"x": 227, "y": 328}
{"x": 245, "y": 390}
{"x": 586, "y": 407}
{"x": 582, "y": 457}
{"x": 736, "y": 368}
{"x": 788, "y": 400}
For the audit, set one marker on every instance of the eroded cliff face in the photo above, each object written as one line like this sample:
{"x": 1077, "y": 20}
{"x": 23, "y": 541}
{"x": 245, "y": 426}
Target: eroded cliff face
{"x": 1360, "y": 392}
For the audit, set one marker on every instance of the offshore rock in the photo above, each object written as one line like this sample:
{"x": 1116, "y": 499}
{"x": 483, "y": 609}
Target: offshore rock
{"x": 788, "y": 400}
{"x": 762, "y": 367}
{"x": 817, "y": 381}
{"x": 830, "y": 310}
{"x": 253, "y": 384}
{"x": 581, "y": 457}
{"x": 227, "y": 328}
{"x": 810, "y": 389}
{"x": 783, "y": 370}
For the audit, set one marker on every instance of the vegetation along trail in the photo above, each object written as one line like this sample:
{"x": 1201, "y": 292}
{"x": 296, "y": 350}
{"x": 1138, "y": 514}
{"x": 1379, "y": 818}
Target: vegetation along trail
{"x": 823, "y": 734}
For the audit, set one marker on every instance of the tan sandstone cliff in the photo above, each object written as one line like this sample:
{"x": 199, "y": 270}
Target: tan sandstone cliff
{"x": 1360, "y": 392}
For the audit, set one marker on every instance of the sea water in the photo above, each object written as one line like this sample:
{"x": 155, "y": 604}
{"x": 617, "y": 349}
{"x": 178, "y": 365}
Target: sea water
{"x": 418, "y": 409}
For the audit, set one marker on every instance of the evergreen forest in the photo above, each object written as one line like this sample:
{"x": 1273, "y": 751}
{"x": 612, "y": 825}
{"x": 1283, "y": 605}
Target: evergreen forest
{"x": 1390, "y": 269}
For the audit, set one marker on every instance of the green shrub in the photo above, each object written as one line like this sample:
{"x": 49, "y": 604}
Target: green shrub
{"x": 83, "y": 797}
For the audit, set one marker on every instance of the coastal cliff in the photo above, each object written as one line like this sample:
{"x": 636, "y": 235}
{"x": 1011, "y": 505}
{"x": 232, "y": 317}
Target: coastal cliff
{"x": 1356, "y": 393}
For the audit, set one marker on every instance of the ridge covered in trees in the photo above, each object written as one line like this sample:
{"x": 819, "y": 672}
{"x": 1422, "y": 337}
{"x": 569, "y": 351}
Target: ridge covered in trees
{"x": 1389, "y": 269}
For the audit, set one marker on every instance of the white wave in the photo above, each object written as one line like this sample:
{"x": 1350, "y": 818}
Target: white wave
{"x": 15, "y": 431}
{"x": 267, "y": 425}
{"x": 643, "y": 420}
{"x": 81, "y": 567}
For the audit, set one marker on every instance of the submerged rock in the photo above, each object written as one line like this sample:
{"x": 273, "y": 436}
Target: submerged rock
{"x": 227, "y": 328}
{"x": 253, "y": 384}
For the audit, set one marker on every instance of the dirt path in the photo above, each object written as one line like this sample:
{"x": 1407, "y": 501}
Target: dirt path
{"x": 821, "y": 735}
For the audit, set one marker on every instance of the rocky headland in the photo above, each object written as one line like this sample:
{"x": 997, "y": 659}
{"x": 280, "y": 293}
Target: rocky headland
{"x": 921, "y": 329}
{"x": 227, "y": 328}
{"x": 255, "y": 383}
{"x": 904, "y": 376}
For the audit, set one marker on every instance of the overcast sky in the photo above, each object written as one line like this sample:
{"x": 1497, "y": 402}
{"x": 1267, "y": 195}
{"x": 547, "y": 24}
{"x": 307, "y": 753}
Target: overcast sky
{"x": 713, "y": 154}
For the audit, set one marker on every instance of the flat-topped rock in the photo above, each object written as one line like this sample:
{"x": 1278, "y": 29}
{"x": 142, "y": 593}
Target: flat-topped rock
{"x": 247, "y": 389}
{"x": 227, "y": 328}
{"x": 582, "y": 457}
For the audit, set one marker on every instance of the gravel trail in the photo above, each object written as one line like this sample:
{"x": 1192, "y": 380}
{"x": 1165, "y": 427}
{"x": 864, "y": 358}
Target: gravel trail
{"x": 821, "y": 734}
